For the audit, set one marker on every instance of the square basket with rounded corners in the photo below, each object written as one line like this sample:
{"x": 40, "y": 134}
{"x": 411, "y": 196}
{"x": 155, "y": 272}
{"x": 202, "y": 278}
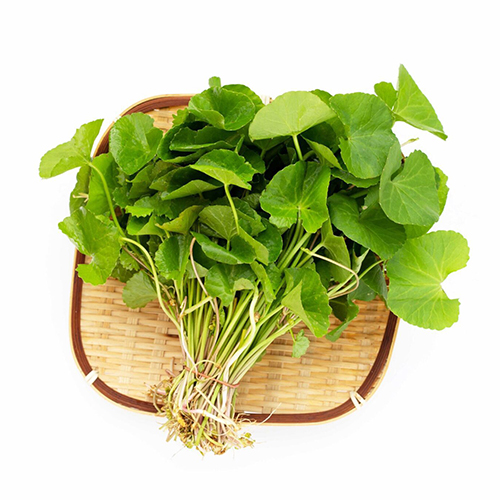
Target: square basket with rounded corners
{"x": 122, "y": 352}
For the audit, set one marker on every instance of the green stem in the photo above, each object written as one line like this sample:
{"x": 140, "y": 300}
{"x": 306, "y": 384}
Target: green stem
{"x": 294, "y": 251}
{"x": 205, "y": 331}
{"x": 292, "y": 237}
{"x": 228, "y": 337}
{"x": 333, "y": 291}
{"x": 202, "y": 426}
{"x": 308, "y": 257}
{"x": 156, "y": 280}
{"x": 233, "y": 208}
{"x": 378, "y": 262}
{"x": 240, "y": 143}
{"x": 247, "y": 361}
{"x": 308, "y": 154}
{"x": 191, "y": 337}
{"x": 108, "y": 197}
{"x": 197, "y": 305}
{"x": 271, "y": 314}
{"x": 297, "y": 146}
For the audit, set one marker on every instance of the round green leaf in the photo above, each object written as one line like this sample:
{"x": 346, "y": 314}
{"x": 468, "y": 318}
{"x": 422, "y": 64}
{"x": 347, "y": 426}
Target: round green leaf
{"x": 414, "y": 108}
{"x": 271, "y": 239}
{"x": 227, "y": 167}
{"x": 96, "y": 237}
{"x": 345, "y": 310}
{"x": 416, "y": 273}
{"x": 289, "y": 114}
{"x": 308, "y": 299}
{"x": 139, "y": 291}
{"x": 243, "y": 240}
{"x": 300, "y": 345}
{"x": 408, "y": 191}
{"x": 386, "y": 92}
{"x": 140, "y": 226}
{"x": 299, "y": 190}
{"x": 206, "y": 138}
{"x": 243, "y": 89}
{"x": 370, "y": 228}
{"x": 220, "y": 219}
{"x": 72, "y": 154}
{"x": 413, "y": 231}
{"x": 183, "y": 223}
{"x": 368, "y": 123}
{"x": 97, "y": 201}
{"x": 133, "y": 141}
{"x": 243, "y": 254}
{"x": 263, "y": 277}
{"x": 336, "y": 249}
{"x": 172, "y": 256}
{"x": 222, "y": 108}
{"x": 223, "y": 281}
{"x": 183, "y": 182}
{"x": 348, "y": 178}
{"x": 323, "y": 152}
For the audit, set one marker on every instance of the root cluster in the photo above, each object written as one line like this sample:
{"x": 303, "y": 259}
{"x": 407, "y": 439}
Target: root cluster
{"x": 202, "y": 415}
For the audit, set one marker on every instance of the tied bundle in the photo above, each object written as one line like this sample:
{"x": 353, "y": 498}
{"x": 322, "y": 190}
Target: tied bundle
{"x": 245, "y": 220}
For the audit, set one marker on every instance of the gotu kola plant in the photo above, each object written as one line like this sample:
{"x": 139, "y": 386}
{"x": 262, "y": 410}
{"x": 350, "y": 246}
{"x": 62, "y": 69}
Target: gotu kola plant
{"x": 244, "y": 220}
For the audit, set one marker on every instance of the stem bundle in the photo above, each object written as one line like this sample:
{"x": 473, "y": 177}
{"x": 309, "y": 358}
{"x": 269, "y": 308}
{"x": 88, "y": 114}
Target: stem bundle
{"x": 199, "y": 402}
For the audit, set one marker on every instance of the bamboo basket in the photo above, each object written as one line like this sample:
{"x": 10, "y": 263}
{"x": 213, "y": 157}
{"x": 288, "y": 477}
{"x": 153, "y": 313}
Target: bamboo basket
{"x": 122, "y": 352}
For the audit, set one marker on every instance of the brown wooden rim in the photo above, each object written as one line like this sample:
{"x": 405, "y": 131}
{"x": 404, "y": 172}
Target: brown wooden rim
{"x": 365, "y": 391}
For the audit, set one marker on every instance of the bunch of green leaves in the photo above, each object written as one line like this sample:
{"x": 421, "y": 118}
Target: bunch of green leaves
{"x": 308, "y": 202}
{"x": 244, "y": 220}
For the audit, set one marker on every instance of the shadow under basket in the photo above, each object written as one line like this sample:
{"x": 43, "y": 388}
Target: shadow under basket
{"x": 122, "y": 352}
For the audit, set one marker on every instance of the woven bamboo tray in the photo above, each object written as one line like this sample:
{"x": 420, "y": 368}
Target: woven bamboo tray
{"x": 121, "y": 352}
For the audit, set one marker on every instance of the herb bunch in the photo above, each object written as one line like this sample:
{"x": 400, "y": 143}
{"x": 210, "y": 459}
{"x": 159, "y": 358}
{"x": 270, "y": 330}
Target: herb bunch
{"x": 244, "y": 220}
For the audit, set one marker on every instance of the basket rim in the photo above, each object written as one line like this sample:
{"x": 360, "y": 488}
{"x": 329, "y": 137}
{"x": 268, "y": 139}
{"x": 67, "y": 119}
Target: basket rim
{"x": 366, "y": 390}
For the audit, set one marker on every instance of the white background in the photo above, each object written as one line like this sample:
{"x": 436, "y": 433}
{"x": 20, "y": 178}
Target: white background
{"x": 431, "y": 431}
